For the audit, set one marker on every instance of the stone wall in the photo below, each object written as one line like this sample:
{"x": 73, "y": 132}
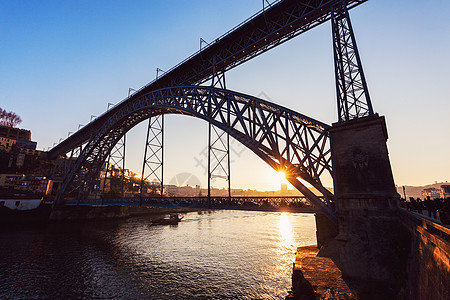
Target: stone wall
{"x": 428, "y": 259}
{"x": 326, "y": 230}
{"x": 367, "y": 202}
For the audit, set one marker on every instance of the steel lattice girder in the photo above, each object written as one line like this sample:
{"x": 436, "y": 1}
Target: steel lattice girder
{"x": 263, "y": 31}
{"x": 218, "y": 143}
{"x": 216, "y": 201}
{"x": 117, "y": 159}
{"x": 283, "y": 138}
{"x": 154, "y": 152}
{"x": 351, "y": 87}
{"x": 219, "y": 154}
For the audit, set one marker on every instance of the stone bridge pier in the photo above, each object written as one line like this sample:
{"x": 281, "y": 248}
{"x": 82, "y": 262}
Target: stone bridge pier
{"x": 383, "y": 251}
{"x": 367, "y": 203}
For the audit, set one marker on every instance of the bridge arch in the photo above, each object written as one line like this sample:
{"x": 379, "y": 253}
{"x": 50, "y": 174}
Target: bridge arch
{"x": 283, "y": 138}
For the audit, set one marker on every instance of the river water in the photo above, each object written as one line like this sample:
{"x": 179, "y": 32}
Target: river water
{"x": 209, "y": 255}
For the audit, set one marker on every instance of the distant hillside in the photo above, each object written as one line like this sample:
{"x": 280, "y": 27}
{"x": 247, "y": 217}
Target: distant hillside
{"x": 416, "y": 191}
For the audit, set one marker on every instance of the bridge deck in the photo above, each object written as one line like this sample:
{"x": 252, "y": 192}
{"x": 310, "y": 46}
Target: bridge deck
{"x": 268, "y": 203}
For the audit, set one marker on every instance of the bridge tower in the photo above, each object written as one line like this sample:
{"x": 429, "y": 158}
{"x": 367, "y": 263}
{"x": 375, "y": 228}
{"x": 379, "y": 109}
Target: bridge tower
{"x": 153, "y": 162}
{"x": 218, "y": 140}
{"x": 364, "y": 183}
{"x": 116, "y": 160}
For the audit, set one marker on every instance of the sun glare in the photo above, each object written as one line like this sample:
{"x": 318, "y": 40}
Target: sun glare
{"x": 282, "y": 176}
{"x": 276, "y": 179}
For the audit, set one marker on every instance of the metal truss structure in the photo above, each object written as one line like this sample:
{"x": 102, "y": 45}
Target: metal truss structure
{"x": 116, "y": 164}
{"x": 154, "y": 154}
{"x": 217, "y": 202}
{"x": 286, "y": 140}
{"x": 351, "y": 88}
{"x": 218, "y": 143}
{"x": 63, "y": 163}
{"x": 218, "y": 156}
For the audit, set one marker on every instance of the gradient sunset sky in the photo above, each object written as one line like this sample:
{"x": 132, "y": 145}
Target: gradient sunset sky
{"x": 63, "y": 61}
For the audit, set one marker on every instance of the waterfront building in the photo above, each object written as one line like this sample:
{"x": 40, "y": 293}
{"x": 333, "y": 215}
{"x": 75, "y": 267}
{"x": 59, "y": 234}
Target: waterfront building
{"x": 10, "y": 180}
{"x": 15, "y": 133}
{"x": 6, "y": 144}
{"x": 284, "y": 189}
{"x": 39, "y": 185}
{"x": 21, "y": 182}
{"x": 433, "y": 193}
{"x": 18, "y": 140}
{"x": 445, "y": 191}
{"x": 29, "y": 145}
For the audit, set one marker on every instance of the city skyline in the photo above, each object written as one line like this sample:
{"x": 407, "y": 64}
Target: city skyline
{"x": 64, "y": 62}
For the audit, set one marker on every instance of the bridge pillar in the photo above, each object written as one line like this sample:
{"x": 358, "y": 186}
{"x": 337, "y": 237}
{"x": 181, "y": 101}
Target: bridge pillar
{"x": 367, "y": 200}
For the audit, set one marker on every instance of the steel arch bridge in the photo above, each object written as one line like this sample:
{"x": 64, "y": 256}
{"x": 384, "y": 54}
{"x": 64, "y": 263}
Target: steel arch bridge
{"x": 284, "y": 139}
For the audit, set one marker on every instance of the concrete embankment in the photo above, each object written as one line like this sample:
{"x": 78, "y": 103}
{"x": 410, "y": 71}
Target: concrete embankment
{"x": 78, "y": 213}
{"x": 421, "y": 263}
{"x": 315, "y": 277}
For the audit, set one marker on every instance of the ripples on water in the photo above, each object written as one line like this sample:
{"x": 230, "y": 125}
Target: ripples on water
{"x": 215, "y": 255}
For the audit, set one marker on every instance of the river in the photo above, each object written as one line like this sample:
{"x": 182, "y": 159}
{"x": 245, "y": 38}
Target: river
{"x": 209, "y": 255}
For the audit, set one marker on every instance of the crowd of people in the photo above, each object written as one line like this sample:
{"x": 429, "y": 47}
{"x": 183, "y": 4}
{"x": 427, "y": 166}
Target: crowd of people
{"x": 435, "y": 208}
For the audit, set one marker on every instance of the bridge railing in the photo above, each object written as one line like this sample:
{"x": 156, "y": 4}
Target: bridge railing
{"x": 425, "y": 226}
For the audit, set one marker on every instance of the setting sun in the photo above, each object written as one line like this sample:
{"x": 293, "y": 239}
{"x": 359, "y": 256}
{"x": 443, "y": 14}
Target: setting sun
{"x": 276, "y": 179}
{"x": 282, "y": 176}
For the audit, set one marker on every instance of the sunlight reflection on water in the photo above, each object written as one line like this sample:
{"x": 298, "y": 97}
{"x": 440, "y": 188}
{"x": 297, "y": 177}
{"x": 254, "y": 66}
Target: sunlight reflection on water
{"x": 286, "y": 231}
{"x": 218, "y": 255}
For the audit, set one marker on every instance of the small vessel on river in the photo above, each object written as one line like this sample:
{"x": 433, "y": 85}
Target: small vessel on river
{"x": 173, "y": 219}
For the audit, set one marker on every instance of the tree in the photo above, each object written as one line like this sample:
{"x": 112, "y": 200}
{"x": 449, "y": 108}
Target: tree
{"x": 10, "y": 119}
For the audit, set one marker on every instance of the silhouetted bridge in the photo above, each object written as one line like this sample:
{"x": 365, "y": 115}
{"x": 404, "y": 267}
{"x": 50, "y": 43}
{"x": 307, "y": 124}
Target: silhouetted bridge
{"x": 351, "y": 153}
{"x": 286, "y": 140}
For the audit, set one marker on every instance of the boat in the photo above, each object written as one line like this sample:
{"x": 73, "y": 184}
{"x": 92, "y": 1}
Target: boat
{"x": 173, "y": 219}
{"x": 23, "y": 207}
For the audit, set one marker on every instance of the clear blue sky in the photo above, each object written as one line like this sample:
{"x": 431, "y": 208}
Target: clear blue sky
{"x": 63, "y": 61}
